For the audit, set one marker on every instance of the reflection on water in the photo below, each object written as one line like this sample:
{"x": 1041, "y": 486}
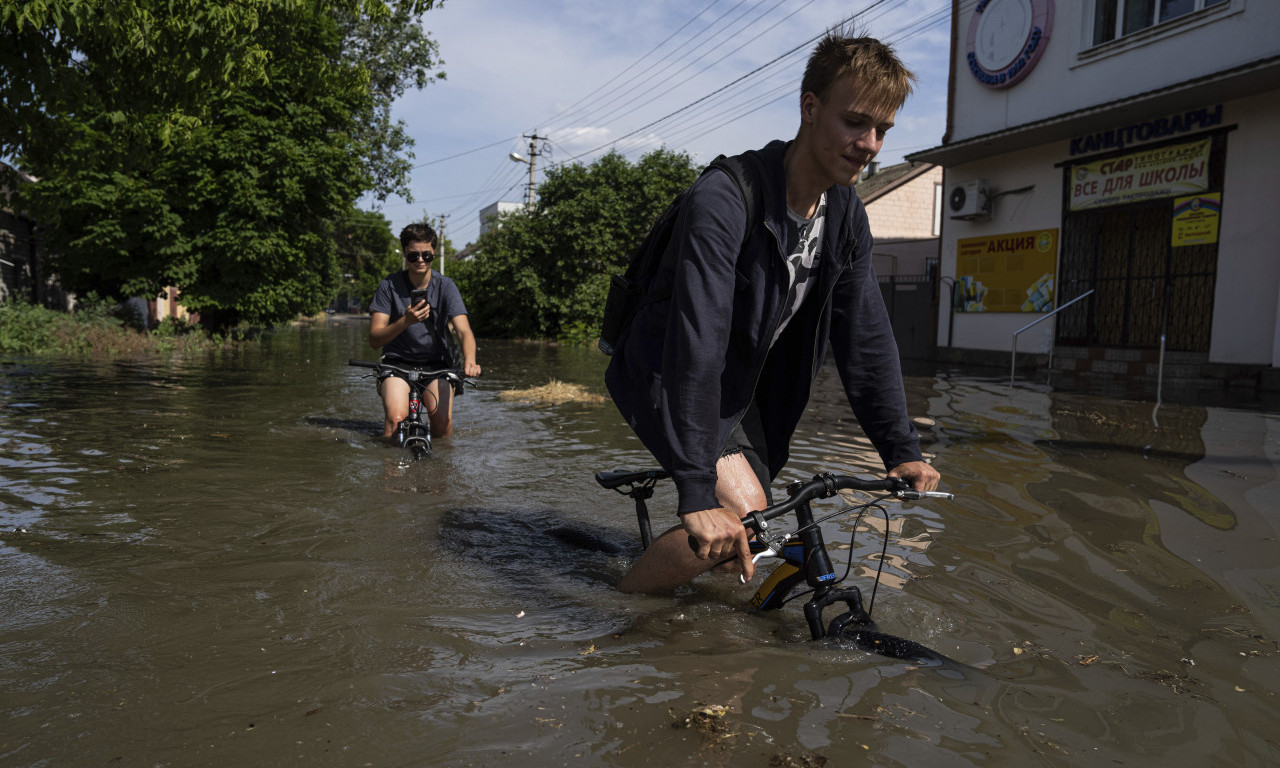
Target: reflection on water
{"x": 213, "y": 562}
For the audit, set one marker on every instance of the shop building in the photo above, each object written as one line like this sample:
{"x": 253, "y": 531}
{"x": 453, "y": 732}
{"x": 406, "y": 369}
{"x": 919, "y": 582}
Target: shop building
{"x": 1118, "y": 154}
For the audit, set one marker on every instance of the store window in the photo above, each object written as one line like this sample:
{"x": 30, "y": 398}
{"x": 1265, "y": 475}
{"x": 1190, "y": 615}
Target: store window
{"x": 1146, "y": 282}
{"x": 1117, "y": 18}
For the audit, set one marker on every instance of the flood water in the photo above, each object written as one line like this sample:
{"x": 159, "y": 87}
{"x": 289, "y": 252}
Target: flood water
{"x": 211, "y": 563}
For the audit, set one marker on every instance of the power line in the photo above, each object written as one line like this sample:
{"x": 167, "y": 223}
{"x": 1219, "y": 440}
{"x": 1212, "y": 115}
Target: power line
{"x": 460, "y": 154}
{"x": 570, "y": 109}
{"x": 733, "y": 82}
{"x": 734, "y": 101}
{"x": 651, "y": 73}
{"x": 660, "y": 85}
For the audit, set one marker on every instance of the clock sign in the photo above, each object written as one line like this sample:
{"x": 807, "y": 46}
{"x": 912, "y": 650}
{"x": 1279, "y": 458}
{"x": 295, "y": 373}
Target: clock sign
{"x": 1007, "y": 39}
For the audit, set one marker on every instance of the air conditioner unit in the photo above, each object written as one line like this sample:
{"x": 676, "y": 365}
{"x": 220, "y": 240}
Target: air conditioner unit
{"x": 969, "y": 200}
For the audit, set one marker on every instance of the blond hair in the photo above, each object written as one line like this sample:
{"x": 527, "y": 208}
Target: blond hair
{"x": 880, "y": 74}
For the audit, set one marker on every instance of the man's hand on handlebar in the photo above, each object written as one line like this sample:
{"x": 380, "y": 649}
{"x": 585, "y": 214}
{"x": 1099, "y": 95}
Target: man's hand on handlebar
{"x": 922, "y": 476}
{"x": 719, "y": 535}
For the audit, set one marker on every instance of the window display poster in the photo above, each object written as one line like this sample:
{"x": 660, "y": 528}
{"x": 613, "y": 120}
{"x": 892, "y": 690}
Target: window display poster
{"x": 1007, "y": 273}
{"x": 1195, "y": 219}
{"x": 1182, "y": 169}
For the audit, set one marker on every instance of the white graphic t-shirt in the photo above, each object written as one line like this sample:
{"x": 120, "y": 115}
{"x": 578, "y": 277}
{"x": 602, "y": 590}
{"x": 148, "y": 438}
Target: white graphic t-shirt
{"x": 803, "y": 262}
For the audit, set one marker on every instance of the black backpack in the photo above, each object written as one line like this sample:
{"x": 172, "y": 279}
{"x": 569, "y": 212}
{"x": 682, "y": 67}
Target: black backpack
{"x": 629, "y": 291}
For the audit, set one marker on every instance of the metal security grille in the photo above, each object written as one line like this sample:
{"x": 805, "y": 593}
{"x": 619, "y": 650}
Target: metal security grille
{"x": 1142, "y": 284}
{"x": 910, "y": 301}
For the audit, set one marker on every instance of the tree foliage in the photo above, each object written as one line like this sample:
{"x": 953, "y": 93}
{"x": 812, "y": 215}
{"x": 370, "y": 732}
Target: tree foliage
{"x": 545, "y": 271}
{"x": 214, "y": 145}
{"x": 367, "y": 252}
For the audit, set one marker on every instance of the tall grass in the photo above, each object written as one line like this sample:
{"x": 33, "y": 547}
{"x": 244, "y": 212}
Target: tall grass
{"x": 95, "y": 330}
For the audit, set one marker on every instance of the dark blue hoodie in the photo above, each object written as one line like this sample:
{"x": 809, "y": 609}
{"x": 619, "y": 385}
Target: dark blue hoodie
{"x": 685, "y": 371}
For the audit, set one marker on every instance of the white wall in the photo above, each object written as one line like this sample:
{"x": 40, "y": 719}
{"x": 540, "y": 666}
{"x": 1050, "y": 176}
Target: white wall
{"x": 1070, "y": 76}
{"x": 1246, "y": 302}
{"x": 1039, "y": 208}
{"x": 490, "y": 212}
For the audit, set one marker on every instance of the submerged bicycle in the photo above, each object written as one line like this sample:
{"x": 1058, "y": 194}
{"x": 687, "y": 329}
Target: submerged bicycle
{"x": 805, "y": 561}
{"x": 414, "y": 432}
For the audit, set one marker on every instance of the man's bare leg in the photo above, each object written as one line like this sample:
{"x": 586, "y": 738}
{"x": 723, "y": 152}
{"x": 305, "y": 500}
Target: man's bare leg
{"x": 669, "y": 562}
{"x": 438, "y": 400}
{"x": 395, "y": 404}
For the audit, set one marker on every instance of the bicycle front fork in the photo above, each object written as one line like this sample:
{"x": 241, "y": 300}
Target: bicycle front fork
{"x": 850, "y": 596}
{"x": 415, "y": 433}
{"x": 821, "y": 576}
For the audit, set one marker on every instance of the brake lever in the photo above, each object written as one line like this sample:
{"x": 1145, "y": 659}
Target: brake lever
{"x": 772, "y": 548}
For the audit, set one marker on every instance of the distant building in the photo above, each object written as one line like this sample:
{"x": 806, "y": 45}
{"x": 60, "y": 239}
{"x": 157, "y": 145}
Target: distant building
{"x": 1125, "y": 148}
{"x": 902, "y": 204}
{"x": 904, "y": 207}
{"x": 489, "y": 214}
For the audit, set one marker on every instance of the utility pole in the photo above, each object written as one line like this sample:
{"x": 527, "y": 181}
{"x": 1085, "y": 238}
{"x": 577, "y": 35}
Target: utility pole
{"x": 440, "y": 238}
{"x": 532, "y": 162}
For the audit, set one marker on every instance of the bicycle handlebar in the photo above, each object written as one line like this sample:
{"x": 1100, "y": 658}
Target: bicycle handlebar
{"x": 826, "y": 485}
{"x": 452, "y": 375}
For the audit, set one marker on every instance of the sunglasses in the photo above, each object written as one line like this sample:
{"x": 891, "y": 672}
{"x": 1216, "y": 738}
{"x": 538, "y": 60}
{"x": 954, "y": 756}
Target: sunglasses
{"x": 413, "y": 256}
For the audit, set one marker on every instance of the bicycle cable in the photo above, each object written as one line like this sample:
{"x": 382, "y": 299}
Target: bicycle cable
{"x": 848, "y": 567}
{"x": 884, "y": 550}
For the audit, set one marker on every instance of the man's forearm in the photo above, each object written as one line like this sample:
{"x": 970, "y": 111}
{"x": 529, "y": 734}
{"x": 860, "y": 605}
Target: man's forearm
{"x": 384, "y": 334}
{"x": 468, "y": 348}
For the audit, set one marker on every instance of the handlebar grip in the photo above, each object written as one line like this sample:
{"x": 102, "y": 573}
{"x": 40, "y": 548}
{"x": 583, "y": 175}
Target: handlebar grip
{"x": 911, "y": 495}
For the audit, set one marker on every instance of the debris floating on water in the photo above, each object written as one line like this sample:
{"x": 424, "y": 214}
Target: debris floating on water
{"x": 553, "y": 392}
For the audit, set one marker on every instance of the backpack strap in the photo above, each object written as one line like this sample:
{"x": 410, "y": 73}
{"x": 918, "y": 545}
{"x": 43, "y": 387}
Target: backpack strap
{"x": 745, "y": 172}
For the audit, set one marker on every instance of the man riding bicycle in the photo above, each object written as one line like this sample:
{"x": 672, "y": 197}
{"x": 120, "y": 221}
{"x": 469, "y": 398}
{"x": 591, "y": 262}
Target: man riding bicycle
{"x": 412, "y": 312}
{"x": 714, "y": 379}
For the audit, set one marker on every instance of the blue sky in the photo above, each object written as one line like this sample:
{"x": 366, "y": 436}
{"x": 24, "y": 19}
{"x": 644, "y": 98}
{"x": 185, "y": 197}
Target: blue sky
{"x": 700, "y": 76}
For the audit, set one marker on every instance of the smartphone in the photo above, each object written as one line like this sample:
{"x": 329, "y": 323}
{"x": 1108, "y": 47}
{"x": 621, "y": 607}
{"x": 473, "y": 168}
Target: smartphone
{"x": 417, "y": 295}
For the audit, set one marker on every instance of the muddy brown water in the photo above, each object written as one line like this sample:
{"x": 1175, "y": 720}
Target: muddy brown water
{"x": 211, "y": 562}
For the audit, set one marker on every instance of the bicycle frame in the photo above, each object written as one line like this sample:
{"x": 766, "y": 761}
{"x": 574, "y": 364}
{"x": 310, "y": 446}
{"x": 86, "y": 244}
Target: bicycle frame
{"x": 414, "y": 432}
{"x": 807, "y": 561}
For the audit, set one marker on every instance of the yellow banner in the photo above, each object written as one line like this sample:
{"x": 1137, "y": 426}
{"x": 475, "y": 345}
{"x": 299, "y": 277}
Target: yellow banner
{"x": 1182, "y": 169}
{"x": 1007, "y": 273}
{"x": 1195, "y": 219}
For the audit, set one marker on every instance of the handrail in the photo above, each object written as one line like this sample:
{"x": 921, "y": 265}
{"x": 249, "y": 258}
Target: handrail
{"x": 1013, "y": 354}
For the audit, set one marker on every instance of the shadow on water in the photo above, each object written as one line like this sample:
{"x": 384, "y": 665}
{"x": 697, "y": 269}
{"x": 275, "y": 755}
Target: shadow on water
{"x": 371, "y": 428}
{"x": 536, "y": 550}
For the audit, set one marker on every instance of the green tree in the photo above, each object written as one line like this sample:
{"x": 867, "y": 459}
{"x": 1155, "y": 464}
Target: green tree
{"x": 208, "y": 144}
{"x": 367, "y": 252}
{"x": 545, "y": 271}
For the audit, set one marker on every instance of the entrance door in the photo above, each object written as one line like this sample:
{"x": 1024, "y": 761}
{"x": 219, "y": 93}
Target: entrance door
{"x": 1142, "y": 284}
{"x": 910, "y": 301}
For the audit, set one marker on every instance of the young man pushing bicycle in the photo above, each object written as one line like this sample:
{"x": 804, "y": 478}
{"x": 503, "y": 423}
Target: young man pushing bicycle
{"x": 714, "y": 379}
{"x": 412, "y": 310}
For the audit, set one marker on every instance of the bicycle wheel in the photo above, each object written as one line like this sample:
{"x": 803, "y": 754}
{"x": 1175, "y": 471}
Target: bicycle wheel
{"x": 418, "y": 440}
{"x": 870, "y": 639}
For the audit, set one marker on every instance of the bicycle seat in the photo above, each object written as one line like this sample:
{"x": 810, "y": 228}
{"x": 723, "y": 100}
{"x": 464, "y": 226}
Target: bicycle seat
{"x": 611, "y": 479}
